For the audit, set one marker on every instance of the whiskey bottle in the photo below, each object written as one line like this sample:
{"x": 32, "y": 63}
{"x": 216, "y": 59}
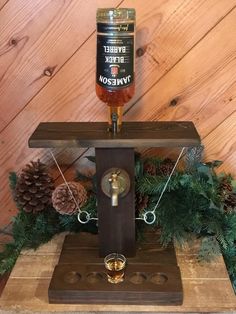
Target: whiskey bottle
{"x": 115, "y": 81}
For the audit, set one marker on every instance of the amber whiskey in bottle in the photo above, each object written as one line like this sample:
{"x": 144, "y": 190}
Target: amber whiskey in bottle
{"x": 115, "y": 81}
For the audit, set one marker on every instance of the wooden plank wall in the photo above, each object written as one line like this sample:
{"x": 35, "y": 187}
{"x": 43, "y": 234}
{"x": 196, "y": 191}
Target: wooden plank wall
{"x": 186, "y": 70}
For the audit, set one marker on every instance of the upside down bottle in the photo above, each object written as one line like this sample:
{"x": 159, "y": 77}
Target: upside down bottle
{"x": 115, "y": 59}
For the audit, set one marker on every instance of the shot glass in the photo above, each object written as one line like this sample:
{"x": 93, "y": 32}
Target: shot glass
{"x": 115, "y": 266}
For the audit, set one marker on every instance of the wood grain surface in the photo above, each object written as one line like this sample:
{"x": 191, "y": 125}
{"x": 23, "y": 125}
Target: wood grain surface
{"x": 206, "y": 286}
{"x": 222, "y": 143}
{"x": 116, "y": 224}
{"x": 152, "y": 276}
{"x": 132, "y": 134}
{"x": 43, "y": 36}
{"x": 196, "y": 96}
{"x": 2, "y": 3}
{"x": 185, "y": 69}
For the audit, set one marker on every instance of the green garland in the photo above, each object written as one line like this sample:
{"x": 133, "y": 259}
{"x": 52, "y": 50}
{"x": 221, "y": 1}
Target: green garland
{"x": 192, "y": 206}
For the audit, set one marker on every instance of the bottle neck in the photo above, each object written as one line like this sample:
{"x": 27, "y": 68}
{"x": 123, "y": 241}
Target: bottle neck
{"x": 115, "y": 112}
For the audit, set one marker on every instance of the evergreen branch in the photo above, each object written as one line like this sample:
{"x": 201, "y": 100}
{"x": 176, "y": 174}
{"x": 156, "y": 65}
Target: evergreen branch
{"x": 209, "y": 249}
{"x": 5, "y": 232}
{"x": 154, "y": 185}
{"x": 138, "y": 166}
{"x": 82, "y": 177}
{"x": 191, "y": 206}
{"x": 156, "y": 161}
{"x": 12, "y": 180}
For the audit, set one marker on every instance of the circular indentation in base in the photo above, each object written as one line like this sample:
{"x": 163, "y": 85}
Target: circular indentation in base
{"x": 137, "y": 278}
{"x": 72, "y": 277}
{"x": 158, "y": 278}
{"x": 94, "y": 277}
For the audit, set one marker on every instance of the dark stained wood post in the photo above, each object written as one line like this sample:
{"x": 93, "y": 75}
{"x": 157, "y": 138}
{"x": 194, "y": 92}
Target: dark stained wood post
{"x": 116, "y": 225}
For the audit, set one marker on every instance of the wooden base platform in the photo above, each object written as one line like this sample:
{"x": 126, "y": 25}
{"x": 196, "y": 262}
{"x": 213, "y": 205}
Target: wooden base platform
{"x": 151, "y": 277}
{"x": 206, "y": 286}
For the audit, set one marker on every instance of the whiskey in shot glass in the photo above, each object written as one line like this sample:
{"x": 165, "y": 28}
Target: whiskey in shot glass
{"x": 115, "y": 266}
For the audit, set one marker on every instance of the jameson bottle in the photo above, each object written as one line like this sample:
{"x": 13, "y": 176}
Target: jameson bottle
{"x": 115, "y": 59}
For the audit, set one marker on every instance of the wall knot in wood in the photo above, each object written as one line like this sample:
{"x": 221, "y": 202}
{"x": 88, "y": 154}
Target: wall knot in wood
{"x": 141, "y": 51}
{"x": 49, "y": 70}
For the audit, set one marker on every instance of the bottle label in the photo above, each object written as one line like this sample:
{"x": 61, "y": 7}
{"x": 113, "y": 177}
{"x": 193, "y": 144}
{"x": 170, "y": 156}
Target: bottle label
{"x": 115, "y": 61}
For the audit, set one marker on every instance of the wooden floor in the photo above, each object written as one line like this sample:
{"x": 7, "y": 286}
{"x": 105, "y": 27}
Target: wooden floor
{"x": 3, "y": 278}
{"x": 185, "y": 70}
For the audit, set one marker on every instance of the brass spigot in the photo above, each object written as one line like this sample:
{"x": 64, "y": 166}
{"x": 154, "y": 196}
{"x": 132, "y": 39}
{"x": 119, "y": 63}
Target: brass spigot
{"x": 115, "y": 188}
{"x": 115, "y": 183}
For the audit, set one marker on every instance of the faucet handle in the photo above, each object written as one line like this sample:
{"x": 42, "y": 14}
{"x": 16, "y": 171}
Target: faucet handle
{"x": 115, "y": 183}
{"x": 114, "y": 177}
{"x": 114, "y": 189}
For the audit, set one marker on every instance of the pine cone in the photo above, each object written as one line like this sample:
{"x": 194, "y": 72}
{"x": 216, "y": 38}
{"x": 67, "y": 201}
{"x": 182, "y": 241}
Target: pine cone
{"x": 226, "y": 194}
{"x": 34, "y": 188}
{"x": 63, "y": 201}
{"x": 166, "y": 167}
{"x": 141, "y": 202}
{"x": 225, "y": 187}
{"x": 150, "y": 169}
{"x": 230, "y": 202}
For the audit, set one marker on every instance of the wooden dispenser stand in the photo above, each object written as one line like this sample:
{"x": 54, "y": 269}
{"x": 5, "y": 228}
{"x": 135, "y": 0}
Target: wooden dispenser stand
{"x": 79, "y": 275}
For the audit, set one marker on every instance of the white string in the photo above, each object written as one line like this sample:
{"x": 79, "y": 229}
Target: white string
{"x": 152, "y": 212}
{"x": 80, "y": 212}
{"x": 145, "y": 216}
{"x": 167, "y": 182}
{"x": 64, "y": 179}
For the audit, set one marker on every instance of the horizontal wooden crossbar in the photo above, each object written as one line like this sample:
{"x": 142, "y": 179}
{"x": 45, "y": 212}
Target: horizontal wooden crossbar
{"x": 132, "y": 134}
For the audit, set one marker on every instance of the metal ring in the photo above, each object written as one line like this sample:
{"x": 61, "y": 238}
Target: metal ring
{"x": 145, "y": 217}
{"x": 87, "y": 216}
